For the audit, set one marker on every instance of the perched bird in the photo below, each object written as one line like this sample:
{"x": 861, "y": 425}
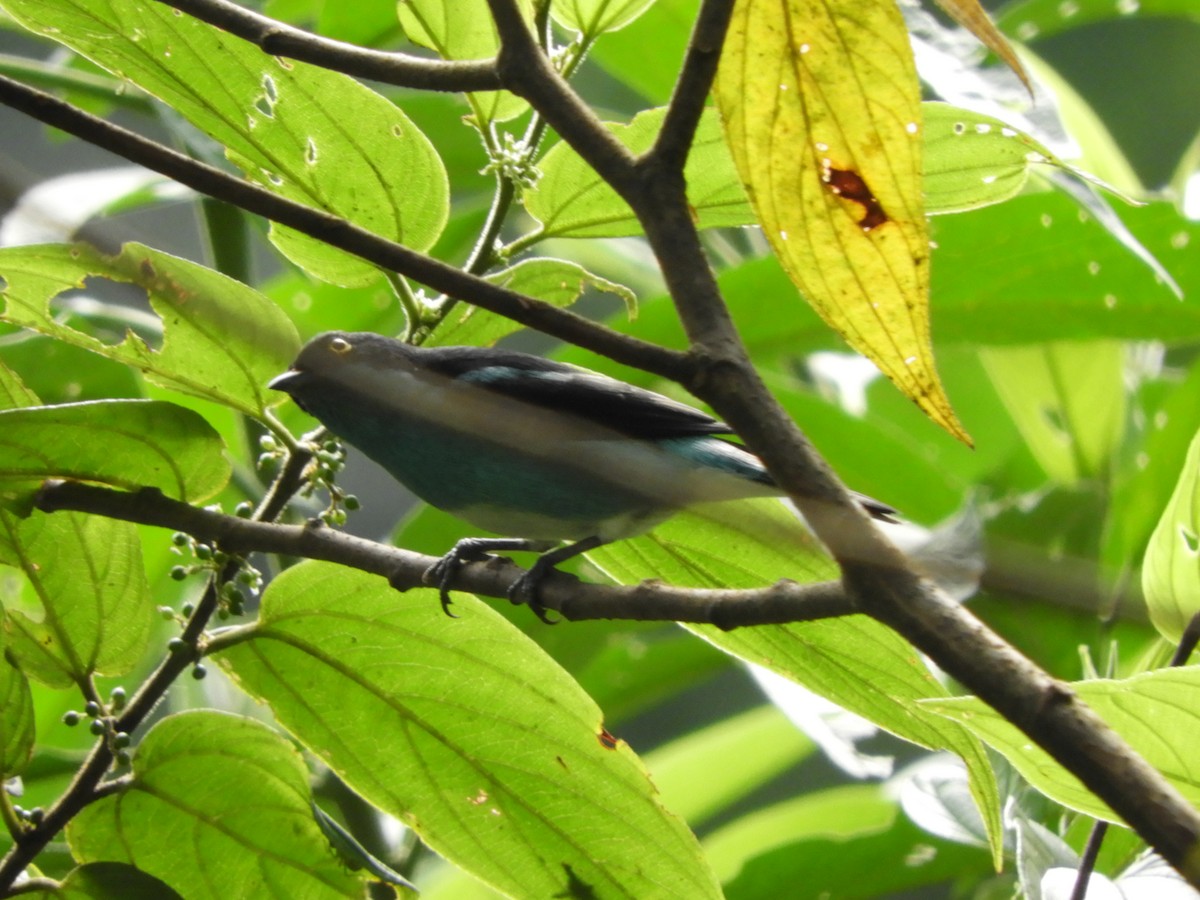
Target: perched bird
{"x": 523, "y": 446}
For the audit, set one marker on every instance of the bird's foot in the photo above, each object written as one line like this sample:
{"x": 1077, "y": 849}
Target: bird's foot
{"x": 470, "y": 550}
{"x": 442, "y": 572}
{"x": 525, "y": 591}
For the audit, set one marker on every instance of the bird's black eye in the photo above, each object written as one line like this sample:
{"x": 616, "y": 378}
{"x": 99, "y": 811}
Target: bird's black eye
{"x": 340, "y": 346}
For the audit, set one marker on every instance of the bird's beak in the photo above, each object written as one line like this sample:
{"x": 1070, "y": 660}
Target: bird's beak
{"x": 286, "y": 381}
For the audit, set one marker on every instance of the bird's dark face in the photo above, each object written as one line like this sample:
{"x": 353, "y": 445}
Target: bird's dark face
{"x": 337, "y": 357}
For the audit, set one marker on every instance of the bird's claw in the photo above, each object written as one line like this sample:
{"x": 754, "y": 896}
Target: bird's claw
{"x": 525, "y": 591}
{"x": 442, "y": 572}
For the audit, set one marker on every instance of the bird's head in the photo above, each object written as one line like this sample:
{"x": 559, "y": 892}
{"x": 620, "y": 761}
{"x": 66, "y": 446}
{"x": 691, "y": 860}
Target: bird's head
{"x": 342, "y": 358}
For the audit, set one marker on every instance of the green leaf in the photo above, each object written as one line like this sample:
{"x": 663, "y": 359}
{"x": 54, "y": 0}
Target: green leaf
{"x": 1151, "y": 711}
{"x": 13, "y": 393}
{"x": 857, "y": 663}
{"x": 1152, "y": 459}
{"x": 1032, "y": 19}
{"x": 555, "y": 281}
{"x": 823, "y": 123}
{"x": 465, "y": 730}
{"x": 463, "y": 29}
{"x": 1067, "y": 400}
{"x": 592, "y": 18}
{"x": 214, "y": 787}
{"x": 972, "y": 160}
{"x": 221, "y": 340}
{"x": 1171, "y": 572}
{"x": 121, "y": 443}
{"x": 665, "y": 25}
{"x": 848, "y": 842}
{"x": 16, "y": 719}
{"x": 748, "y": 750}
{"x": 109, "y": 881}
{"x": 571, "y": 200}
{"x": 96, "y": 605}
{"x": 310, "y": 135}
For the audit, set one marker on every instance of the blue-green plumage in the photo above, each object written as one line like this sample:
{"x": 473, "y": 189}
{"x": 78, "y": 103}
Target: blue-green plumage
{"x": 520, "y": 445}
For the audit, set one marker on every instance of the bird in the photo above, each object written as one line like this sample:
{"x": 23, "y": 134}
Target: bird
{"x": 559, "y": 458}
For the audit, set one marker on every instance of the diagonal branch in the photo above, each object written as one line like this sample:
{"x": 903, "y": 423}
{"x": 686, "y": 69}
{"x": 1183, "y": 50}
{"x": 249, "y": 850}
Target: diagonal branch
{"x": 280, "y": 39}
{"x": 874, "y": 572}
{"x": 337, "y": 232}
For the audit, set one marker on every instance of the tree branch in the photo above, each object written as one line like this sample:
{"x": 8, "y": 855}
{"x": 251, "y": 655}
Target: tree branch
{"x": 875, "y": 573}
{"x": 280, "y": 39}
{"x": 575, "y": 600}
{"x": 674, "y": 140}
{"x": 337, "y": 232}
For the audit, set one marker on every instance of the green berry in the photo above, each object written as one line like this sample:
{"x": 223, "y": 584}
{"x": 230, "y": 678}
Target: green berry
{"x": 97, "y": 726}
{"x": 71, "y": 718}
{"x": 188, "y": 609}
{"x": 117, "y": 698}
{"x": 179, "y": 572}
{"x": 179, "y": 539}
{"x": 199, "y": 673}
{"x": 351, "y": 502}
{"x": 204, "y": 552}
{"x": 92, "y": 708}
{"x": 176, "y": 645}
{"x": 120, "y": 740}
{"x": 244, "y": 509}
{"x": 123, "y": 757}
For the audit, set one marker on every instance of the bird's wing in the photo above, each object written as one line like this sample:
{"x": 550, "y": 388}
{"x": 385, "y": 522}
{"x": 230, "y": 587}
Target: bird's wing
{"x": 556, "y": 386}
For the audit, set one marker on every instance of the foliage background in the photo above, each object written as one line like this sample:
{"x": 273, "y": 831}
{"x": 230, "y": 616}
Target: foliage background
{"x": 1082, "y": 411}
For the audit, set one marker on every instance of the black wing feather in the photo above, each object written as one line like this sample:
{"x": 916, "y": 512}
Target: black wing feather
{"x": 560, "y": 387}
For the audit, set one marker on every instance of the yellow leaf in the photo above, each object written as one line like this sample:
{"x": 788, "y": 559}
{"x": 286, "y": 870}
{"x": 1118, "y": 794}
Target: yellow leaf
{"x": 822, "y": 115}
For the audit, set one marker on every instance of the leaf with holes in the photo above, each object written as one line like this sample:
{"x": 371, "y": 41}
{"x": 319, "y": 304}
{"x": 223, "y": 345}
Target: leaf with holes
{"x": 1171, "y": 571}
{"x": 465, "y": 730}
{"x": 221, "y": 340}
{"x": 822, "y": 114}
{"x": 310, "y": 135}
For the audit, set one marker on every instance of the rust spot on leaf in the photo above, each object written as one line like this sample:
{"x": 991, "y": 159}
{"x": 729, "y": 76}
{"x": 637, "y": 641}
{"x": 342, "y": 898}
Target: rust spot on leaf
{"x": 850, "y": 185}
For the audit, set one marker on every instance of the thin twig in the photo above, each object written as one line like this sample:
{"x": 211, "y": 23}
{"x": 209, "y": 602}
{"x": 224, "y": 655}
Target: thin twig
{"x": 280, "y": 39}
